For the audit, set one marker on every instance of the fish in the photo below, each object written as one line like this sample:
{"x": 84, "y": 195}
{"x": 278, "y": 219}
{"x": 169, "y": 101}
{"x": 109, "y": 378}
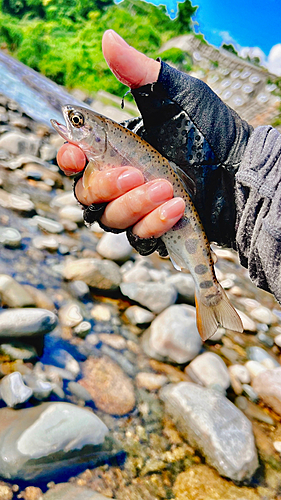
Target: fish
{"x": 107, "y": 144}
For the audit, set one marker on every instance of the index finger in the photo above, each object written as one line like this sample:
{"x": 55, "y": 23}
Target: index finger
{"x": 71, "y": 159}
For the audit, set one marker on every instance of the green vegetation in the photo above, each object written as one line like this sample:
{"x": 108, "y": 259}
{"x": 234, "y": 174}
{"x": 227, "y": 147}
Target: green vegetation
{"x": 62, "y": 38}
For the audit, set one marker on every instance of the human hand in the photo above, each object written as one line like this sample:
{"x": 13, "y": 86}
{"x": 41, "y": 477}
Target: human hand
{"x": 149, "y": 207}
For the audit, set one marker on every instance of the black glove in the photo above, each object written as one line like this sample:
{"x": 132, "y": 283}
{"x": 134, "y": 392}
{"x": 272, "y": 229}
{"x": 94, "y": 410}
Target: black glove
{"x": 190, "y": 125}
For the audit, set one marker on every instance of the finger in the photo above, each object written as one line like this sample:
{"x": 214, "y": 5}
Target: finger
{"x": 71, "y": 159}
{"x": 128, "y": 209}
{"x": 130, "y": 66}
{"x": 160, "y": 220}
{"x": 108, "y": 184}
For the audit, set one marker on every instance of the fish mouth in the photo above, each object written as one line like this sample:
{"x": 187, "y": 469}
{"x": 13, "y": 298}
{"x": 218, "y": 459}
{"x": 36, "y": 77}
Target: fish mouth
{"x": 61, "y": 130}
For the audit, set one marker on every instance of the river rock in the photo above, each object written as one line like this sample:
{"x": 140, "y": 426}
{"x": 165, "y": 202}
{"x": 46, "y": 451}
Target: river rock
{"x": 268, "y": 386}
{"x": 154, "y": 296}
{"x": 17, "y": 350}
{"x": 26, "y": 322}
{"x": 13, "y": 389}
{"x": 114, "y": 247}
{"x": 46, "y": 242}
{"x": 18, "y": 203}
{"x": 40, "y": 298}
{"x": 102, "y": 274}
{"x": 68, "y": 491}
{"x": 138, "y": 315}
{"x": 10, "y": 237}
{"x": 212, "y": 424}
{"x": 18, "y": 143}
{"x": 135, "y": 273}
{"x": 259, "y": 354}
{"x": 71, "y": 212}
{"x": 112, "y": 391}
{"x": 13, "y": 294}
{"x": 239, "y": 374}
{"x": 49, "y": 225}
{"x": 173, "y": 335}
{"x": 70, "y": 314}
{"x": 184, "y": 283}
{"x": 209, "y": 369}
{"x": 45, "y": 435}
{"x": 66, "y": 198}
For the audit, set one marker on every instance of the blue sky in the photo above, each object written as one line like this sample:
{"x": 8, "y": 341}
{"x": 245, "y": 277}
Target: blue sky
{"x": 249, "y": 23}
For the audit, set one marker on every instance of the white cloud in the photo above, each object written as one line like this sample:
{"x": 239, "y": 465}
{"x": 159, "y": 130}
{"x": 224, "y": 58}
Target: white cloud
{"x": 253, "y": 52}
{"x": 274, "y": 60}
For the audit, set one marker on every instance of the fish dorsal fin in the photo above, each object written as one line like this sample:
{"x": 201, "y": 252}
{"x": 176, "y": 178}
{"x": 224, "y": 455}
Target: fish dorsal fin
{"x": 188, "y": 183}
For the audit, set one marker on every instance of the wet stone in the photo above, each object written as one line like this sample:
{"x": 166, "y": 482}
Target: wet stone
{"x": 40, "y": 298}
{"x": 79, "y": 391}
{"x": 68, "y": 491}
{"x": 209, "y": 369}
{"x": 18, "y": 143}
{"x": 17, "y": 350}
{"x": 254, "y": 368}
{"x": 72, "y": 213}
{"x": 70, "y": 314}
{"x": 49, "y": 225}
{"x": 263, "y": 315}
{"x": 173, "y": 335}
{"x": 13, "y": 390}
{"x": 212, "y": 424}
{"x": 46, "y": 433}
{"x": 102, "y": 274}
{"x": 259, "y": 354}
{"x": 13, "y": 294}
{"x": 184, "y": 284}
{"x": 154, "y": 296}
{"x": 114, "y": 246}
{"x": 268, "y": 387}
{"x": 18, "y": 203}
{"x": 46, "y": 242}
{"x": 10, "y": 237}
{"x": 135, "y": 273}
{"x": 41, "y": 389}
{"x": 26, "y": 322}
{"x": 111, "y": 390}
{"x": 66, "y": 198}
{"x": 82, "y": 329}
{"x": 113, "y": 340}
{"x": 138, "y": 315}
{"x": 151, "y": 381}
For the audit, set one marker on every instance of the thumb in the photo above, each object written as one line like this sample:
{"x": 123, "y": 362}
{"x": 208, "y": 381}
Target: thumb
{"x": 130, "y": 66}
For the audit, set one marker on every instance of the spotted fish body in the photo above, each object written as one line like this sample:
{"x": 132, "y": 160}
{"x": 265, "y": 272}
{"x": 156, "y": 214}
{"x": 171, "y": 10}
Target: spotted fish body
{"x": 106, "y": 145}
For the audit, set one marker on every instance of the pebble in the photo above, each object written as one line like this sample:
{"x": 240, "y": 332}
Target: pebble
{"x": 154, "y": 296}
{"x": 150, "y": 381}
{"x": 248, "y": 324}
{"x": 173, "y": 335}
{"x": 212, "y": 424}
{"x": 63, "y": 199}
{"x": 17, "y": 350}
{"x": 112, "y": 391}
{"x": 209, "y": 369}
{"x": 37, "y": 433}
{"x": 265, "y": 339}
{"x": 68, "y": 491}
{"x": 62, "y": 359}
{"x": 102, "y": 274}
{"x": 49, "y": 225}
{"x": 18, "y": 203}
{"x": 114, "y": 247}
{"x": 263, "y": 315}
{"x": 82, "y": 329}
{"x": 41, "y": 389}
{"x": 79, "y": 289}
{"x": 113, "y": 340}
{"x": 138, "y": 315}
{"x": 239, "y": 374}
{"x": 184, "y": 284}
{"x": 26, "y": 322}
{"x": 277, "y": 340}
{"x": 256, "y": 353}
{"x": 70, "y": 314}
{"x": 79, "y": 391}
{"x": 10, "y": 237}
{"x": 18, "y": 143}
{"x": 46, "y": 242}
{"x": 48, "y": 152}
{"x": 268, "y": 387}
{"x": 135, "y": 273}
{"x": 13, "y": 389}
{"x": 40, "y": 298}
{"x": 101, "y": 312}
{"x": 71, "y": 212}
{"x": 250, "y": 393}
{"x": 254, "y": 368}
{"x": 13, "y": 294}
{"x": 253, "y": 411}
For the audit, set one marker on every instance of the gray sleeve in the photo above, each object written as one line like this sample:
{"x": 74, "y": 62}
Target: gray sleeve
{"x": 258, "y": 203}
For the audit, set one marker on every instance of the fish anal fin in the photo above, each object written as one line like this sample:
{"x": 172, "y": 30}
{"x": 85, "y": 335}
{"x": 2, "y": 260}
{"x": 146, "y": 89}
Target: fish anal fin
{"x": 90, "y": 168}
{"x": 209, "y": 318}
{"x": 177, "y": 261}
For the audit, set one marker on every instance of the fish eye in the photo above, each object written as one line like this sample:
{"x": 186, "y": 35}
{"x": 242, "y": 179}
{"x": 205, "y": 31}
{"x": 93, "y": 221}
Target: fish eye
{"x": 76, "y": 118}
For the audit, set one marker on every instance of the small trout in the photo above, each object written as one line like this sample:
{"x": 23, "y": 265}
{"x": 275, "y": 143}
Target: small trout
{"x": 107, "y": 144}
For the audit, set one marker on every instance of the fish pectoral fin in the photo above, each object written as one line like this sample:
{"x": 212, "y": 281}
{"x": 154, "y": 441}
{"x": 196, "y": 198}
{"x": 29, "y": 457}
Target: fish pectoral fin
{"x": 89, "y": 169}
{"x": 209, "y": 318}
{"x": 214, "y": 256}
{"x": 176, "y": 260}
{"x": 188, "y": 183}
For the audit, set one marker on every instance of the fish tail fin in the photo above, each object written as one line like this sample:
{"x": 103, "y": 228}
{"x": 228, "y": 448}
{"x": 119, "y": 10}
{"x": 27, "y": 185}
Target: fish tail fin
{"x": 209, "y": 318}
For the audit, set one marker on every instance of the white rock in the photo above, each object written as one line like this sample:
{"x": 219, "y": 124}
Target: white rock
{"x": 173, "y": 335}
{"x": 248, "y": 324}
{"x": 13, "y": 389}
{"x": 184, "y": 284}
{"x": 18, "y": 143}
{"x": 71, "y": 212}
{"x": 155, "y": 296}
{"x": 254, "y": 368}
{"x": 138, "y": 315}
{"x": 263, "y": 315}
{"x": 114, "y": 246}
{"x": 209, "y": 369}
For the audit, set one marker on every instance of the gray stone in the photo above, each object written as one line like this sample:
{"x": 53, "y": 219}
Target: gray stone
{"x": 212, "y": 424}
{"x": 209, "y": 369}
{"x": 154, "y": 296}
{"x": 10, "y": 237}
{"x": 138, "y": 315}
{"x": 114, "y": 247}
{"x": 97, "y": 273}
{"x": 259, "y": 354}
{"x": 174, "y": 335}
{"x": 268, "y": 386}
{"x": 68, "y": 491}
{"x": 79, "y": 289}
{"x": 26, "y": 322}
{"x": 184, "y": 283}
{"x": 13, "y": 294}
{"x": 13, "y": 389}
{"x": 18, "y": 143}
{"x": 79, "y": 391}
{"x": 46, "y": 433}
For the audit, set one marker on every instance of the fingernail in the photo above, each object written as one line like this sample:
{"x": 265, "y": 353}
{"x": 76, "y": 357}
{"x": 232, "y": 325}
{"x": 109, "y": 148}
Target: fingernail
{"x": 159, "y": 191}
{"x": 117, "y": 38}
{"x": 129, "y": 180}
{"x": 172, "y": 209}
